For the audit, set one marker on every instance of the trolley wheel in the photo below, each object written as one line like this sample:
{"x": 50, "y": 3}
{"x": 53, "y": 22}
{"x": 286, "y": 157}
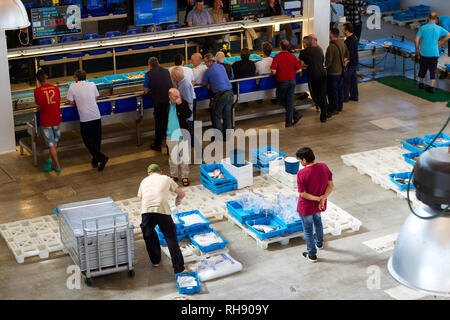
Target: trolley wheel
{"x": 131, "y": 273}
{"x": 88, "y": 282}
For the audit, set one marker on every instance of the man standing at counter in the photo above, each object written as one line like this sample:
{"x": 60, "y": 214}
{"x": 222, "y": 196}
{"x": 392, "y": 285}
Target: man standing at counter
{"x": 84, "y": 94}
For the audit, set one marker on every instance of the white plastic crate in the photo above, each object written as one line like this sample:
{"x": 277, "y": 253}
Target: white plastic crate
{"x": 243, "y": 175}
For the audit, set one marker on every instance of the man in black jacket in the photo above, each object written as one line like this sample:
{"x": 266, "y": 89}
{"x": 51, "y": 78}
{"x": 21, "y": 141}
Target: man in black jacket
{"x": 157, "y": 82}
{"x": 245, "y": 67}
{"x": 350, "y": 77}
{"x": 174, "y": 115}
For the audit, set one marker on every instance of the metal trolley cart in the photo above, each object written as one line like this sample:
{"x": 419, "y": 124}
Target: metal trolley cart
{"x": 98, "y": 237}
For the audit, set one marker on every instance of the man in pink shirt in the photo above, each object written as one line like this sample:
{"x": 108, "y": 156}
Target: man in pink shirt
{"x": 315, "y": 183}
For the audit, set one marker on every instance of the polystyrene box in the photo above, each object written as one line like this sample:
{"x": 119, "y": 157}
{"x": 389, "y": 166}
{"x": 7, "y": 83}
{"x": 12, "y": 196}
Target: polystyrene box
{"x": 243, "y": 175}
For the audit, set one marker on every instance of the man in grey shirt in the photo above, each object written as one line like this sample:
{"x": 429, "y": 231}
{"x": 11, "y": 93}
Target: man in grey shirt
{"x": 200, "y": 17}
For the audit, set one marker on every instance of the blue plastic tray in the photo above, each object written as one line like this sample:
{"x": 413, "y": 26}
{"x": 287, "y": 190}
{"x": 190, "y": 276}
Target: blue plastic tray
{"x": 218, "y": 189}
{"x": 270, "y": 220}
{"x": 212, "y": 247}
{"x": 117, "y": 79}
{"x": 193, "y": 227}
{"x": 206, "y": 168}
{"x": 162, "y": 239}
{"x": 409, "y": 157}
{"x": 236, "y": 210}
{"x": 430, "y": 137}
{"x": 403, "y": 175}
{"x": 264, "y": 160}
{"x": 293, "y": 226}
{"x": 412, "y": 144}
{"x": 188, "y": 290}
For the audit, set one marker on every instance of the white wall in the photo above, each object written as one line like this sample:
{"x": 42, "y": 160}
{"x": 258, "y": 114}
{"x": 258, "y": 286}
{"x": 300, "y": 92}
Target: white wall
{"x": 441, "y": 7}
{"x": 318, "y": 20}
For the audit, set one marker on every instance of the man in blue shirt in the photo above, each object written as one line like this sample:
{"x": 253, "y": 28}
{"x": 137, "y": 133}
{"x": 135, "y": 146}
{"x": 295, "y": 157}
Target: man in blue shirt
{"x": 432, "y": 36}
{"x": 200, "y": 17}
{"x": 216, "y": 79}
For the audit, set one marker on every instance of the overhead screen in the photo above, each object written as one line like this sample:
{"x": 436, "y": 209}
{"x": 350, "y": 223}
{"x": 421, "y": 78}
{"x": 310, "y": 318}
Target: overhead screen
{"x": 242, "y": 8}
{"x": 55, "y": 21}
{"x": 293, "y": 7}
{"x": 149, "y": 12}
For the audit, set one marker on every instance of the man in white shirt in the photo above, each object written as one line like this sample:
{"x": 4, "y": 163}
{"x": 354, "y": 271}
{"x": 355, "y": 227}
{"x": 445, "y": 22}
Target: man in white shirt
{"x": 263, "y": 66}
{"x": 199, "y": 68}
{"x": 188, "y": 73}
{"x": 155, "y": 210}
{"x": 84, "y": 94}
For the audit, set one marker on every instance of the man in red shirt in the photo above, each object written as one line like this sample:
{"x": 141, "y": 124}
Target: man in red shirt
{"x": 315, "y": 183}
{"x": 284, "y": 67}
{"x": 48, "y": 100}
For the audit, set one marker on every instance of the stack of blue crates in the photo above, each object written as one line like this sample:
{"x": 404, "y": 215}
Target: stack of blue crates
{"x": 241, "y": 215}
{"x": 270, "y": 220}
{"x": 261, "y": 161}
{"x": 404, "y": 15}
{"x": 217, "y": 185}
{"x": 386, "y": 5}
{"x": 420, "y": 11}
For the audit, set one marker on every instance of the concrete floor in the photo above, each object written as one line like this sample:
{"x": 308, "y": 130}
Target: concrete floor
{"x": 277, "y": 273}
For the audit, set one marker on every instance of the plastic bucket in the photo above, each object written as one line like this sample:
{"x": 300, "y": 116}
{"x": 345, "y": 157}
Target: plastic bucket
{"x": 291, "y": 165}
{"x": 237, "y": 157}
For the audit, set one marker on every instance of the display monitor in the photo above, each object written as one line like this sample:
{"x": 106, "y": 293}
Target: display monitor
{"x": 242, "y": 8}
{"x": 292, "y": 6}
{"x": 149, "y": 12}
{"x": 55, "y": 21}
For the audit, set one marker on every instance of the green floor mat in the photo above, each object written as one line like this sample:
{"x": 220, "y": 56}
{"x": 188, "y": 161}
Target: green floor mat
{"x": 411, "y": 86}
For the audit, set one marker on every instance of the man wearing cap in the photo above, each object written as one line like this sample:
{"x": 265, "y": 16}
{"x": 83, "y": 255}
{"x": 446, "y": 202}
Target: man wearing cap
{"x": 155, "y": 210}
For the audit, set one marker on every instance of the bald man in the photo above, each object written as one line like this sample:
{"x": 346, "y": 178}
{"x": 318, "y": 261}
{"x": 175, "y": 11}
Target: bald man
{"x": 199, "y": 68}
{"x": 176, "y": 113}
{"x": 314, "y": 40}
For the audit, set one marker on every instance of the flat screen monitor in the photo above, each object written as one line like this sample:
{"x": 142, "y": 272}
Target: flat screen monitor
{"x": 55, "y": 21}
{"x": 149, "y": 12}
{"x": 292, "y": 6}
{"x": 242, "y": 8}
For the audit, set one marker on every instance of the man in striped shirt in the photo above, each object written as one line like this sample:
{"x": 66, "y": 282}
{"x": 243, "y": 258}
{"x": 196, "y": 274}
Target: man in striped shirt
{"x": 353, "y": 9}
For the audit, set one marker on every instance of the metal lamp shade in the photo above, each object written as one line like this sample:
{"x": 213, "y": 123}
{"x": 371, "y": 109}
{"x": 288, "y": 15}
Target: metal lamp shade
{"x": 421, "y": 259}
{"x": 13, "y": 15}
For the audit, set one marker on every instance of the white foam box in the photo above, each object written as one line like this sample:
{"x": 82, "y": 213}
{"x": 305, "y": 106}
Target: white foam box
{"x": 243, "y": 175}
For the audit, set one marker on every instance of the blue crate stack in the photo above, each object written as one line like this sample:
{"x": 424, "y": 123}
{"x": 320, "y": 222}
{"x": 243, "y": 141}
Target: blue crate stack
{"x": 262, "y": 162}
{"x": 386, "y": 5}
{"x": 217, "y": 185}
{"x": 404, "y": 15}
{"x": 420, "y": 11}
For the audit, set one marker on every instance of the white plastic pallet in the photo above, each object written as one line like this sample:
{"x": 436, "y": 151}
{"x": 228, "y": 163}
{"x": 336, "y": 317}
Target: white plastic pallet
{"x": 32, "y": 237}
{"x": 379, "y": 163}
{"x": 263, "y": 244}
{"x": 191, "y": 253}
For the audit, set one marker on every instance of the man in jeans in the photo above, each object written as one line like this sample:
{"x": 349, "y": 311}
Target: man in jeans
{"x": 335, "y": 60}
{"x": 216, "y": 79}
{"x": 350, "y": 77}
{"x": 284, "y": 66}
{"x": 48, "y": 99}
{"x": 84, "y": 94}
{"x": 315, "y": 183}
{"x": 155, "y": 210}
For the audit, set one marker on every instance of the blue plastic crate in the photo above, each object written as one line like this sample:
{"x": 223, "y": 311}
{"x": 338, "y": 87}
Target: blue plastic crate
{"x": 219, "y": 189}
{"x": 292, "y": 226}
{"x": 207, "y": 168}
{"x": 264, "y": 160}
{"x": 193, "y": 227}
{"x": 413, "y": 144}
{"x": 117, "y": 79}
{"x": 140, "y": 79}
{"x": 236, "y": 210}
{"x": 270, "y": 220}
{"x": 403, "y": 15}
{"x": 212, "y": 247}
{"x": 403, "y": 175}
{"x": 188, "y": 290}
{"x": 430, "y": 137}
{"x": 162, "y": 239}
{"x": 409, "y": 157}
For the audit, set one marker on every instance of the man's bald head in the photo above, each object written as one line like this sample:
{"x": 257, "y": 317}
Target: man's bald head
{"x": 177, "y": 74}
{"x": 196, "y": 59}
{"x": 314, "y": 39}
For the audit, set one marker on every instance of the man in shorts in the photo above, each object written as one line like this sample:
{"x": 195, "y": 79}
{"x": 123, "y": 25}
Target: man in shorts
{"x": 48, "y": 99}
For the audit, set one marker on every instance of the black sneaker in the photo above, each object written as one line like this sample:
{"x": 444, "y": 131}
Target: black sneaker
{"x": 312, "y": 258}
{"x": 103, "y": 164}
{"x": 155, "y": 147}
{"x": 354, "y": 99}
{"x": 421, "y": 86}
{"x": 296, "y": 119}
{"x": 320, "y": 247}
{"x": 94, "y": 163}
{"x": 430, "y": 89}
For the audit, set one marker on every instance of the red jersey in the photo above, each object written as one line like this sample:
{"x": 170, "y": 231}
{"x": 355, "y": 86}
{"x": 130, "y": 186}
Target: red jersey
{"x": 48, "y": 99}
{"x": 313, "y": 180}
{"x": 286, "y": 65}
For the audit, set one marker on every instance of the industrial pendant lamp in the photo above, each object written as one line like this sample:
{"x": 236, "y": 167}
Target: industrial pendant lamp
{"x": 13, "y": 15}
{"x": 421, "y": 258}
